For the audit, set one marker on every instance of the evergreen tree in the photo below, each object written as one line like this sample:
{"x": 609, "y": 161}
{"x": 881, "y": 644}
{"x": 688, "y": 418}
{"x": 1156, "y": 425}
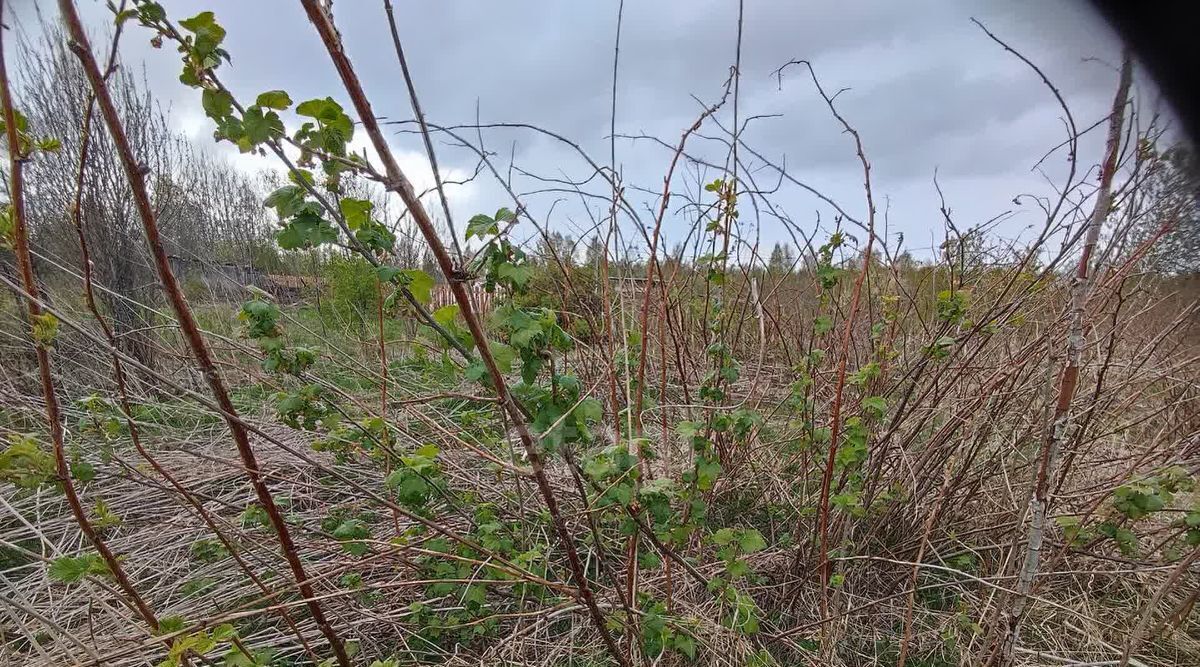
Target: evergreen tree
{"x": 782, "y": 260}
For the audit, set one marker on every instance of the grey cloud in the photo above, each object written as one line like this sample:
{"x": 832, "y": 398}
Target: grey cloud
{"x": 927, "y": 88}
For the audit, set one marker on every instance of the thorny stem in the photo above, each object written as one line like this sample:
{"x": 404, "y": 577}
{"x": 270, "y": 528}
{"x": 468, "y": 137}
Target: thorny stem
{"x": 1060, "y": 426}
{"x": 118, "y": 369}
{"x": 835, "y": 413}
{"x": 400, "y": 184}
{"x": 652, "y": 263}
{"x": 135, "y": 173}
{"x": 53, "y": 412}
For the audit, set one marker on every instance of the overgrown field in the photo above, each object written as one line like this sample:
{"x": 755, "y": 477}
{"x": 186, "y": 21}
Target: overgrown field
{"x": 495, "y": 452}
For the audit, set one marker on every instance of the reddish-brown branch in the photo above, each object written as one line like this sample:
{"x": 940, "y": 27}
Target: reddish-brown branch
{"x": 135, "y": 173}
{"x": 835, "y": 414}
{"x": 53, "y": 412}
{"x": 400, "y": 184}
{"x": 652, "y": 264}
{"x": 118, "y": 369}
{"x": 1059, "y": 427}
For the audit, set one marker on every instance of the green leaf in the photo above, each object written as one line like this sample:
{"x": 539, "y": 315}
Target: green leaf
{"x": 822, "y": 325}
{"x": 21, "y": 122}
{"x": 622, "y": 493}
{"x": 224, "y": 632}
{"x": 419, "y": 283}
{"x": 319, "y": 108}
{"x": 598, "y": 468}
{"x": 324, "y": 110}
{"x": 197, "y": 587}
{"x": 828, "y": 276}
{"x": 301, "y": 177}
{"x": 685, "y": 644}
{"x": 274, "y": 99}
{"x": 307, "y": 229}
{"x": 208, "y": 36}
{"x": 590, "y": 409}
{"x": 151, "y": 12}
{"x": 387, "y": 273}
{"x": 724, "y": 536}
{"x": 217, "y": 103}
{"x": 707, "y": 471}
{"x": 505, "y": 215}
{"x": 351, "y": 532}
{"x": 876, "y": 406}
{"x": 689, "y": 429}
{"x": 952, "y": 306}
{"x": 446, "y": 315}
{"x": 475, "y": 371}
{"x": 751, "y": 541}
{"x": 941, "y": 347}
{"x": 356, "y": 211}
{"x": 207, "y": 550}
{"x": 738, "y": 569}
{"x": 198, "y": 22}
{"x": 254, "y": 516}
{"x": 169, "y": 624}
{"x": 44, "y": 329}
{"x": 517, "y": 275}
{"x": 68, "y": 570}
{"x": 229, "y": 128}
{"x": 105, "y": 517}
{"x": 481, "y": 225}
{"x": 260, "y": 126}
{"x": 411, "y": 489}
{"x": 502, "y": 354}
{"x": 524, "y": 338}
{"x": 336, "y": 127}
{"x": 235, "y": 658}
{"x": 865, "y": 374}
{"x": 83, "y": 471}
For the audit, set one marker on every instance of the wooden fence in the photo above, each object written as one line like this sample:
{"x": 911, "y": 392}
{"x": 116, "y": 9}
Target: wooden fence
{"x": 481, "y": 299}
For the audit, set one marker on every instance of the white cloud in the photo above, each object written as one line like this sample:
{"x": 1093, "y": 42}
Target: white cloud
{"x": 415, "y": 165}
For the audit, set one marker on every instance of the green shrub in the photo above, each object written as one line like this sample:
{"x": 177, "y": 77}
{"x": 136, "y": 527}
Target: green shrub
{"x": 352, "y": 290}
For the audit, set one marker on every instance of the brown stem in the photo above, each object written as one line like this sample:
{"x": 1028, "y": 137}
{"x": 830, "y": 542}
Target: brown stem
{"x": 835, "y": 416}
{"x": 118, "y": 369}
{"x": 135, "y": 173}
{"x": 53, "y": 415}
{"x": 1059, "y": 427}
{"x": 400, "y": 184}
{"x": 653, "y": 262}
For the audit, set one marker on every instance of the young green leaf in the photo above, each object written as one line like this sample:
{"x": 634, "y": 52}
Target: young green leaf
{"x": 217, "y": 104}
{"x": 481, "y": 225}
{"x": 68, "y": 569}
{"x": 419, "y": 283}
{"x": 274, "y": 99}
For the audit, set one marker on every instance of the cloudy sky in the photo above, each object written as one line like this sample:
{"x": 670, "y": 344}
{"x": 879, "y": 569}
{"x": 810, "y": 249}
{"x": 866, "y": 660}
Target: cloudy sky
{"x": 926, "y": 89}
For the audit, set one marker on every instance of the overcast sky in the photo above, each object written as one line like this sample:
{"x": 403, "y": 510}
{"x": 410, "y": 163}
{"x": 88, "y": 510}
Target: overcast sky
{"x": 927, "y": 90}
